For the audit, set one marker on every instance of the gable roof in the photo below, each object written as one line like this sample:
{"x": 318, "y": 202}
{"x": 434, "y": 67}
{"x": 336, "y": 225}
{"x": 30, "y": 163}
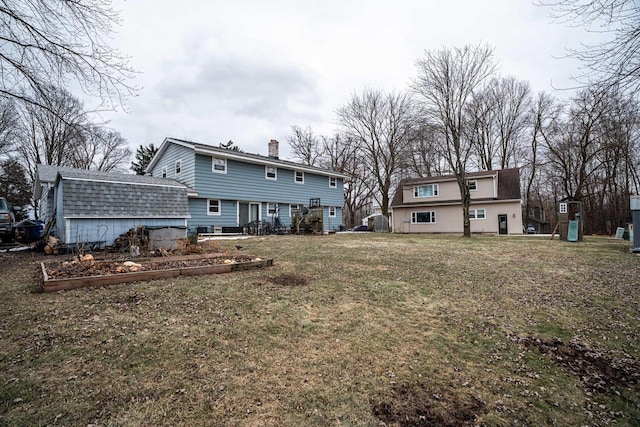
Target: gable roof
{"x": 210, "y": 150}
{"x": 508, "y": 184}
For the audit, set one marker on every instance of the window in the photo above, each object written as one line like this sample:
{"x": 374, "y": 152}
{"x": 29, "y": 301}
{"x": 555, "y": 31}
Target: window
{"x": 218, "y": 165}
{"x": 164, "y": 171}
{"x": 271, "y": 172}
{"x": 299, "y": 177}
{"x": 563, "y": 208}
{"x": 332, "y": 211}
{"x": 430, "y": 190}
{"x": 473, "y": 185}
{"x": 423, "y": 217}
{"x": 272, "y": 209}
{"x": 333, "y": 182}
{"x": 477, "y": 214}
{"x": 178, "y": 167}
{"x": 213, "y": 207}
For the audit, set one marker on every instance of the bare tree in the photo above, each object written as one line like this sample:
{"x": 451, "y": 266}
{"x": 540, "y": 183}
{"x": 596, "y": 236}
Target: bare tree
{"x": 544, "y": 115}
{"x": 342, "y": 154}
{"x": 49, "y": 135}
{"x": 101, "y": 149}
{"x": 305, "y": 145}
{"x": 423, "y": 155}
{"x": 615, "y": 61}
{"x": 381, "y": 124}
{"x": 446, "y": 81}
{"x": 8, "y": 125}
{"x": 53, "y": 42}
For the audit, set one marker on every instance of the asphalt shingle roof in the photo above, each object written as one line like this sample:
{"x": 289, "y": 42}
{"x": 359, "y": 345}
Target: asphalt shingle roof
{"x": 99, "y": 194}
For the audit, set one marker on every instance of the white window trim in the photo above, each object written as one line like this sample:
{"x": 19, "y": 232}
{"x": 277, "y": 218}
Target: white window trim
{"x": 414, "y": 217}
{"x": 295, "y": 177}
{"x": 219, "y": 207}
{"x": 213, "y": 164}
{"x": 291, "y": 208}
{"x": 333, "y": 182}
{"x": 476, "y": 184}
{"x": 475, "y": 214}
{"x": 266, "y": 176}
{"x": 435, "y": 187}
{"x": 275, "y": 209}
{"x": 178, "y": 167}
{"x": 332, "y": 208}
{"x": 563, "y": 208}
{"x": 164, "y": 171}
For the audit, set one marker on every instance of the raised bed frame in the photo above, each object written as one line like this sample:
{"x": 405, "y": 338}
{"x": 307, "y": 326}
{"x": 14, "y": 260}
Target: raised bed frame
{"x": 53, "y": 285}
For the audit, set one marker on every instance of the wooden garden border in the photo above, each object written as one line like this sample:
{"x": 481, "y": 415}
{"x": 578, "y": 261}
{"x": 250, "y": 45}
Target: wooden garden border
{"x": 53, "y": 285}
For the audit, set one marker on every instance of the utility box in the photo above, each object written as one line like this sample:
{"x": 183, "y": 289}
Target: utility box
{"x": 635, "y": 216}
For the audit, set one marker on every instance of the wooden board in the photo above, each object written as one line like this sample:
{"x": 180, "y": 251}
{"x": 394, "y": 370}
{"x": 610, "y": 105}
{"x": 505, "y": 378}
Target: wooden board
{"x": 53, "y": 285}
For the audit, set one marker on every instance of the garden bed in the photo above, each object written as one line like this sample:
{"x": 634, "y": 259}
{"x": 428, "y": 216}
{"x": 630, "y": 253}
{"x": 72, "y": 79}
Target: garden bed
{"x": 78, "y": 274}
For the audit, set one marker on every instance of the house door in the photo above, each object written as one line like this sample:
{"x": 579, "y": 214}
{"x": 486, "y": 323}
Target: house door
{"x": 502, "y": 224}
{"x": 248, "y": 212}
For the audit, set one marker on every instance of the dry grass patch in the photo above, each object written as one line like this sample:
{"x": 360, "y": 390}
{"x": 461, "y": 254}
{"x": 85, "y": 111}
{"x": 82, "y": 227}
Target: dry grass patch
{"x": 342, "y": 330}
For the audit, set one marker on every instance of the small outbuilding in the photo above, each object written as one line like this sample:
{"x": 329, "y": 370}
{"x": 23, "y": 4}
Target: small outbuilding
{"x": 95, "y": 207}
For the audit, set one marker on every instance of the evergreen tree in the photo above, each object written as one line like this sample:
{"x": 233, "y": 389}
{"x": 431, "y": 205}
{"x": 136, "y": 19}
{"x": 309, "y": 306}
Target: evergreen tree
{"x": 144, "y": 154}
{"x": 15, "y": 187}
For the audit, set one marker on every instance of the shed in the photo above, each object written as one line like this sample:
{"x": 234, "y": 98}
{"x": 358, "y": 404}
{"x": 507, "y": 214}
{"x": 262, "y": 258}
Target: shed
{"x": 96, "y": 207}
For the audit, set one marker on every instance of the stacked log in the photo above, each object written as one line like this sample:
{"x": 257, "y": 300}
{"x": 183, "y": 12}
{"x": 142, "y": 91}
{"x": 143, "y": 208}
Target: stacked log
{"x": 51, "y": 247}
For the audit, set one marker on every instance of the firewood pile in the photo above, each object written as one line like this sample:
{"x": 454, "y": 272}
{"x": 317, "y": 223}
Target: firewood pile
{"x": 52, "y": 245}
{"x": 134, "y": 240}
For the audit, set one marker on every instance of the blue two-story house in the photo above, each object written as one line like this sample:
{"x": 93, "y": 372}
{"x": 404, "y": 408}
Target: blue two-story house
{"x": 230, "y": 188}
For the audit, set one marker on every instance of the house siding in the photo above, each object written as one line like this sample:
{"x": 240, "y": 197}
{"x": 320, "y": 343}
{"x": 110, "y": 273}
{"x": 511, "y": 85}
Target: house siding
{"x": 199, "y": 218}
{"x": 449, "y": 218}
{"x": 247, "y": 182}
{"x": 449, "y": 190}
{"x": 172, "y": 153}
{"x": 107, "y": 229}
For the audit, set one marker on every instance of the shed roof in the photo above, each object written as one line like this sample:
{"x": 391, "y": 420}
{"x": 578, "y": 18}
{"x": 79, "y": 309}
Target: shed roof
{"x": 94, "y": 194}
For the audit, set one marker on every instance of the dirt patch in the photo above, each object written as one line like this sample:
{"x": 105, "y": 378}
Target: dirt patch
{"x": 418, "y": 405}
{"x": 594, "y": 367}
{"x": 289, "y": 280}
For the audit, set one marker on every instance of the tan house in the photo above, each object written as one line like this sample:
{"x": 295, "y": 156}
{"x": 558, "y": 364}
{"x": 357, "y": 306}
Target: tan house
{"x": 433, "y": 204}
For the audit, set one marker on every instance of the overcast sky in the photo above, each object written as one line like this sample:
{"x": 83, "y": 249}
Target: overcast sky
{"x": 212, "y": 71}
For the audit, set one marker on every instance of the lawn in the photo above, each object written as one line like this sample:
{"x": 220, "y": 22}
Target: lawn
{"x": 351, "y": 329}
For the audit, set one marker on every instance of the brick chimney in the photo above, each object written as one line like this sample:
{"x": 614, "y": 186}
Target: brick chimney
{"x": 273, "y": 148}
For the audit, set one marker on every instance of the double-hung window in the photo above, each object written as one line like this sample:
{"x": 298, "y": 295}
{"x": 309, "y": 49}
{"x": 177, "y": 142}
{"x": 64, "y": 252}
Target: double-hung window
{"x": 272, "y": 209}
{"x": 333, "y": 182}
{"x": 164, "y": 171}
{"x": 213, "y": 207}
{"x": 473, "y": 185}
{"x": 218, "y": 165}
{"x": 299, "y": 177}
{"x": 271, "y": 172}
{"x": 427, "y": 217}
{"x": 429, "y": 190}
{"x": 178, "y": 167}
{"x": 332, "y": 211}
